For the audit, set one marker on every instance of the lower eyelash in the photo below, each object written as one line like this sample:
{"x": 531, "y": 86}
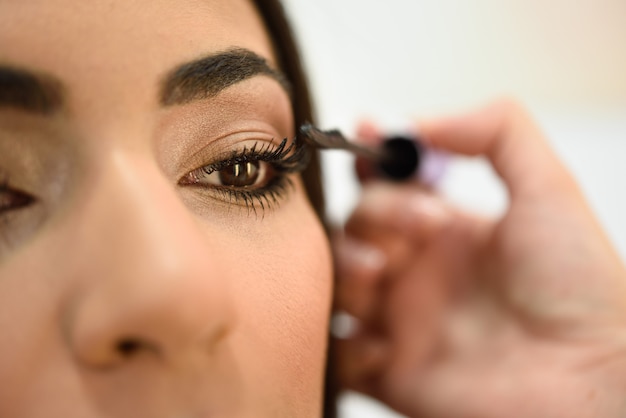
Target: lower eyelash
{"x": 266, "y": 197}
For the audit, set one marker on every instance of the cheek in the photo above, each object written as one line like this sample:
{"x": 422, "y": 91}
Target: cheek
{"x": 283, "y": 296}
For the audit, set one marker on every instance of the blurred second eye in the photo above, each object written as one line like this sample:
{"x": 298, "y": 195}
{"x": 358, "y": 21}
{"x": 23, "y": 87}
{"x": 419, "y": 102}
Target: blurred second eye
{"x": 12, "y": 199}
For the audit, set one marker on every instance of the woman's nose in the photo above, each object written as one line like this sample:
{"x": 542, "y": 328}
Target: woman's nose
{"x": 149, "y": 283}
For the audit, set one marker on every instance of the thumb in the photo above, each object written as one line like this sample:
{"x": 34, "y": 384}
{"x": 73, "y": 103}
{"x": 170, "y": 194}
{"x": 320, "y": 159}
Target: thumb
{"x": 505, "y": 134}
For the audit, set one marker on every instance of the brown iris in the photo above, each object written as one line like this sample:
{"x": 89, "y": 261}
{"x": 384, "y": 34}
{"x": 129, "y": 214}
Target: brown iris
{"x": 240, "y": 174}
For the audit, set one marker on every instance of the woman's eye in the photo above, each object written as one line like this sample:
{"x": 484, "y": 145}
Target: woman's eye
{"x": 238, "y": 175}
{"x": 12, "y": 199}
{"x": 255, "y": 177}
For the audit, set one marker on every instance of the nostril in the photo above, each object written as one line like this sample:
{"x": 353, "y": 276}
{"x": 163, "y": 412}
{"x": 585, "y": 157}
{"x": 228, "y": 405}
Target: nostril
{"x": 130, "y": 347}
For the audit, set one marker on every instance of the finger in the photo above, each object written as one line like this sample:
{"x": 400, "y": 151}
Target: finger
{"x": 504, "y": 132}
{"x": 368, "y": 134}
{"x": 361, "y": 360}
{"x": 402, "y": 209}
{"x": 358, "y": 267}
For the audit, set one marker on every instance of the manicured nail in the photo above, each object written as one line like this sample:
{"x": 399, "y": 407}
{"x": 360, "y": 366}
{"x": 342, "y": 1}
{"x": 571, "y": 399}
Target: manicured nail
{"x": 357, "y": 254}
{"x": 430, "y": 209}
{"x": 343, "y": 325}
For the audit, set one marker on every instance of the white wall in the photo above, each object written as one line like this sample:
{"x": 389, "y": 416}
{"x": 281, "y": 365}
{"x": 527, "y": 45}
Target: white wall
{"x": 397, "y": 59}
{"x": 425, "y": 55}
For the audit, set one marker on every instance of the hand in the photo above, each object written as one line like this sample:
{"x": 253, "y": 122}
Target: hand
{"x": 459, "y": 316}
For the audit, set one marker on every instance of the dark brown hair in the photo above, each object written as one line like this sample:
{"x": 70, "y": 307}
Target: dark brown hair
{"x": 290, "y": 63}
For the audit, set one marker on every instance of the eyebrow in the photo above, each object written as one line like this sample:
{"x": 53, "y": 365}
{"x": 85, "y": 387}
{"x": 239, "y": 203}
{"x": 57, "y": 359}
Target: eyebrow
{"x": 207, "y": 77}
{"x": 34, "y": 93}
{"x": 204, "y": 78}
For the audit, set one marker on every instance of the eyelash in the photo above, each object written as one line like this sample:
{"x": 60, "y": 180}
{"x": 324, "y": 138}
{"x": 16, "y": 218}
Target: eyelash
{"x": 282, "y": 159}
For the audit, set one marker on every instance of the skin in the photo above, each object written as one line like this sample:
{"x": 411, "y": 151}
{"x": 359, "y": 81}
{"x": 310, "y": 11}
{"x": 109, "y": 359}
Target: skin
{"x": 126, "y": 294}
{"x": 123, "y": 293}
{"x": 464, "y": 317}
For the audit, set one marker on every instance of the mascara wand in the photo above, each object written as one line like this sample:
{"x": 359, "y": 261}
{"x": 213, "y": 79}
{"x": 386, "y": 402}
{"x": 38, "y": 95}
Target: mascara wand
{"x": 399, "y": 158}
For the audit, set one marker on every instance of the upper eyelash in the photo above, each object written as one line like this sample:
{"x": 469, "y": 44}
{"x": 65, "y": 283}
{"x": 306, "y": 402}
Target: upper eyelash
{"x": 278, "y": 156}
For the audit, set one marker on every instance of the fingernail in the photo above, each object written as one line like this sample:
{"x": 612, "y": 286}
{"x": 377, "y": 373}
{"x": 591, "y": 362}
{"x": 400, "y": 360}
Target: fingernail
{"x": 421, "y": 207}
{"x": 343, "y": 325}
{"x": 354, "y": 253}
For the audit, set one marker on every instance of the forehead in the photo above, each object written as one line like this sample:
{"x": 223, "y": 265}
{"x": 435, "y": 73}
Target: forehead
{"x": 123, "y": 44}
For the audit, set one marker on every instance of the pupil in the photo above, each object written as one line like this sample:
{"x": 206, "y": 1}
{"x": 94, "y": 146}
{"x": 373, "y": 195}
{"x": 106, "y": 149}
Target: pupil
{"x": 240, "y": 174}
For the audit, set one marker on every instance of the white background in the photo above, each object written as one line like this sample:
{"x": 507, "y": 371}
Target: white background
{"x": 394, "y": 60}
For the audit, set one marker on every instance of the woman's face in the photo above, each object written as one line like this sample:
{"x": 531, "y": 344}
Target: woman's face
{"x": 158, "y": 255}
